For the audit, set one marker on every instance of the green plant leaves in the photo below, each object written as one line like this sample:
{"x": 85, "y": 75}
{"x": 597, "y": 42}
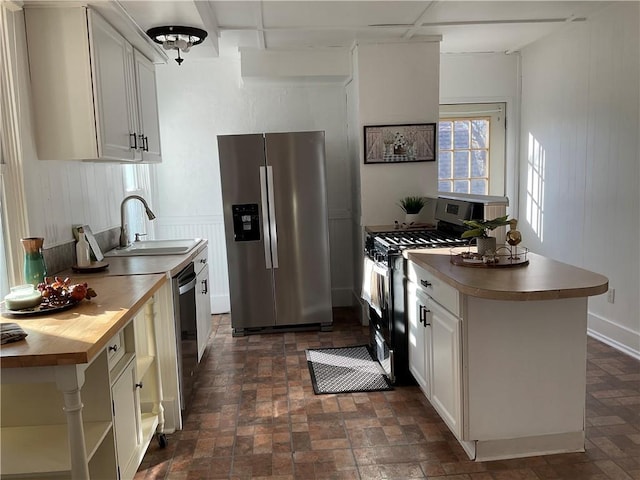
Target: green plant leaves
{"x": 412, "y": 204}
{"x": 479, "y": 228}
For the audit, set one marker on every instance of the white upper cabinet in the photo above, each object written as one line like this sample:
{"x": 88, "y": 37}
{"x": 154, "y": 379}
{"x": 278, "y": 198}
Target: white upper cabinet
{"x": 114, "y": 92}
{"x": 147, "y": 108}
{"x": 94, "y": 95}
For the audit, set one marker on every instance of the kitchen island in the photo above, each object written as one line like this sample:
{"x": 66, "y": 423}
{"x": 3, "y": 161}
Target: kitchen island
{"x": 73, "y": 402}
{"x": 501, "y": 352}
{"x": 86, "y": 391}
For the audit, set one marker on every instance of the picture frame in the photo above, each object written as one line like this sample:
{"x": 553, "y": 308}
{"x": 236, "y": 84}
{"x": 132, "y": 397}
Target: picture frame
{"x": 408, "y": 143}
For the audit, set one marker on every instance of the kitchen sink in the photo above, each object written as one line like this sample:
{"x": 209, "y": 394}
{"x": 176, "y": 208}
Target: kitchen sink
{"x": 155, "y": 247}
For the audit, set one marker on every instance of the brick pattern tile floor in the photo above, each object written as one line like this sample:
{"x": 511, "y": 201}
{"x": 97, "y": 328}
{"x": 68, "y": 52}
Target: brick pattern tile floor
{"x": 254, "y": 416}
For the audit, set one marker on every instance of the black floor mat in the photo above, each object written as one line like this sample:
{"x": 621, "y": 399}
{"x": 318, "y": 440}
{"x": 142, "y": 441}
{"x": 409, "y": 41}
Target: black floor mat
{"x": 345, "y": 370}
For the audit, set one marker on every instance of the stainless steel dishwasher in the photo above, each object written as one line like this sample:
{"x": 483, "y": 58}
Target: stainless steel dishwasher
{"x": 184, "y": 301}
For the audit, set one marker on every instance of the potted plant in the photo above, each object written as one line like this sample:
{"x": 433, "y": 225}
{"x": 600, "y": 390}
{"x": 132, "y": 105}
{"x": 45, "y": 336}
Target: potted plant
{"x": 411, "y": 207}
{"x": 480, "y": 230}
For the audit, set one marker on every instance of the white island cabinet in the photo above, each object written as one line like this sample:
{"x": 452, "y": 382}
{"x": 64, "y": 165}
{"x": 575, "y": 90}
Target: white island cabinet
{"x": 434, "y": 343}
{"x": 82, "y": 395}
{"x": 94, "y": 95}
{"x": 501, "y": 352}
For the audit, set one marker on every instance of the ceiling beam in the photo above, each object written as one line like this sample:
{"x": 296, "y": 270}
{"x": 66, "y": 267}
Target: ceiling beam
{"x": 210, "y": 23}
{"x": 393, "y": 26}
{"x": 519, "y": 47}
{"x": 262, "y": 42}
{"x": 418, "y": 23}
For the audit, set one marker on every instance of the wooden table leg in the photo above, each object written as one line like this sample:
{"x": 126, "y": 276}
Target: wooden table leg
{"x": 69, "y": 380}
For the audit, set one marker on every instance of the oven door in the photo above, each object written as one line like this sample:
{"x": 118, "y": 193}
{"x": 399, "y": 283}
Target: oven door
{"x": 378, "y": 295}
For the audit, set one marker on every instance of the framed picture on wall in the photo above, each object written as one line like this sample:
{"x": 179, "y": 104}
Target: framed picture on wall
{"x": 414, "y": 142}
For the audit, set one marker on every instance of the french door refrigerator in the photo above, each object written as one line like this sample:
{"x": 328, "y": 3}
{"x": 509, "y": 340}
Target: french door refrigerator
{"x": 276, "y": 230}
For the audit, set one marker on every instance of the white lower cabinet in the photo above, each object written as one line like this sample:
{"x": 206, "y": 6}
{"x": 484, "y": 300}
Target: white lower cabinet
{"x": 435, "y": 339}
{"x": 136, "y": 393}
{"x": 446, "y": 372}
{"x": 419, "y": 338}
{"x": 126, "y": 415}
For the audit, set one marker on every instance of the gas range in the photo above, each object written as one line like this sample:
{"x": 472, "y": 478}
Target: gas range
{"x": 450, "y": 215}
{"x": 393, "y": 242}
{"x": 384, "y": 276}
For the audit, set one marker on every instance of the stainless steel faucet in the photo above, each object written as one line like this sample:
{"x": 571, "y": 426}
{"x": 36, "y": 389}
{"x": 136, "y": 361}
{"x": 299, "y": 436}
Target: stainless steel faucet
{"x": 124, "y": 236}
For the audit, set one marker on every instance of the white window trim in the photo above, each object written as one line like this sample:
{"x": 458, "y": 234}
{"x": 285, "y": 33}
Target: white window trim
{"x": 497, "y": 135}
{"x": 13, "y": 191}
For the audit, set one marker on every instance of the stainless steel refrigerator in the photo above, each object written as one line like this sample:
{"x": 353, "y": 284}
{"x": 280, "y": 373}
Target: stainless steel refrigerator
{"x": 276, "y": 230}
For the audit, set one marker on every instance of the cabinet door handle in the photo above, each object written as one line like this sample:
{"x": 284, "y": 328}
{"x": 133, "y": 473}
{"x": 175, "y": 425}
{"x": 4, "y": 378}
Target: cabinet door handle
{"x": 145, "y": 143}
{"x": 113, "y": 348}
{"x": 424, "y": 283}
{"x": 135, "y": 141}
{"x": 141, "y": 136}
{"x": 423, "y": 316}
{"x": 139, "y": 385}
{"x": 205, "y": 287}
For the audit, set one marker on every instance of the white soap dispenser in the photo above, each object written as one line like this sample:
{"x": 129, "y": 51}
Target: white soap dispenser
{"x": 83, "y": 257}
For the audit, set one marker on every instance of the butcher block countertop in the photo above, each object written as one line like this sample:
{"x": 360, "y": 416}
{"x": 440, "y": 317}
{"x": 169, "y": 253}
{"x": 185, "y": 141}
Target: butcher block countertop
{"x": 542, "y": 279}
{"x": 76, "y": 335}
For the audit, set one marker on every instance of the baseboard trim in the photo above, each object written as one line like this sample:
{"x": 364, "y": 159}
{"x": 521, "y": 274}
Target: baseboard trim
{"x": 617, "y": 336}
{"x": 613, "y": 343}
{"x": 489, "y": 450}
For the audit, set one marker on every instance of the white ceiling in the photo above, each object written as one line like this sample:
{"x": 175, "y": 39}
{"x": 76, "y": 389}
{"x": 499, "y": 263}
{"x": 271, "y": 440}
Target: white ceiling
{"x": 465, "y": 26}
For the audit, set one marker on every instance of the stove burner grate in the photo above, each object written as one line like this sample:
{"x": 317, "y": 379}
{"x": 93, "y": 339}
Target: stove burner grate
{"x": 418, "y": 239}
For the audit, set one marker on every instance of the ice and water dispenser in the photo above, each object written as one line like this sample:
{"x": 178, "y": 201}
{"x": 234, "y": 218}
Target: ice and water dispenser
{"x": 246, "y": 223}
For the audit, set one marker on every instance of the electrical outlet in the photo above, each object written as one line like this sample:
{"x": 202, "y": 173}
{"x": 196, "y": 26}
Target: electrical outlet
{"x": 611, "y": 295}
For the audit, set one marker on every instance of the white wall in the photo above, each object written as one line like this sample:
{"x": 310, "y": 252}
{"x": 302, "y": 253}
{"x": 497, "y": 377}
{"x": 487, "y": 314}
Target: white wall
{"x": 495, "y": 79}
{"x": 354, "y": 138}
{"x": 397, "y": 84}
{"x": 60, "y": 194}
{"x": 202, "y": 99}
{"x": 581, "y": 104}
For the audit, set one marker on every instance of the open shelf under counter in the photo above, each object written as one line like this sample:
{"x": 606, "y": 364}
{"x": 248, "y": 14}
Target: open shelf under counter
{"x": 44, "y": 449}
{"x": 142, "y": 365}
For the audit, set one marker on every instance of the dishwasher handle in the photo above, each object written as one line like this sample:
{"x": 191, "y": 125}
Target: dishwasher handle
{"x": 190, "y": 284}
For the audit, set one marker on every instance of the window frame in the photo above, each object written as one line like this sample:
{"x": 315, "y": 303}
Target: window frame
{"x": 496, "y": 112}
{"x": 137, "y": 178}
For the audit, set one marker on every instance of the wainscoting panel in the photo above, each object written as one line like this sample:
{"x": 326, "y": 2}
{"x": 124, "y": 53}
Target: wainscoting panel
{"x": 210, "y": 227}
{"x": 340, "y": 244}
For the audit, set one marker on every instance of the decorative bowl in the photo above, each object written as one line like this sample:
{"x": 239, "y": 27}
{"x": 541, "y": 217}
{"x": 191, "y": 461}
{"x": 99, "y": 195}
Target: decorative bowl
{"x": 21, "y": 297}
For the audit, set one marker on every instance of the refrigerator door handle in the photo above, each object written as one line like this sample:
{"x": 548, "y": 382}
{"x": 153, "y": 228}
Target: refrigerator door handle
{"x": 272, "y": 217}
{"x": 265, "y": 218}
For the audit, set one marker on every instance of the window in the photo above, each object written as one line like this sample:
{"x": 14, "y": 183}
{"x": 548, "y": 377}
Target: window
{"x": 136, "y": 178}
{"x": 471, "y": 149}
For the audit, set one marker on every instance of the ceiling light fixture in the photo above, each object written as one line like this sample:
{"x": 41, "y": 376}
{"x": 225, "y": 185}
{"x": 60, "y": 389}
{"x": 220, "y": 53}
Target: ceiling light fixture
{"x": 177, "y": 38}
